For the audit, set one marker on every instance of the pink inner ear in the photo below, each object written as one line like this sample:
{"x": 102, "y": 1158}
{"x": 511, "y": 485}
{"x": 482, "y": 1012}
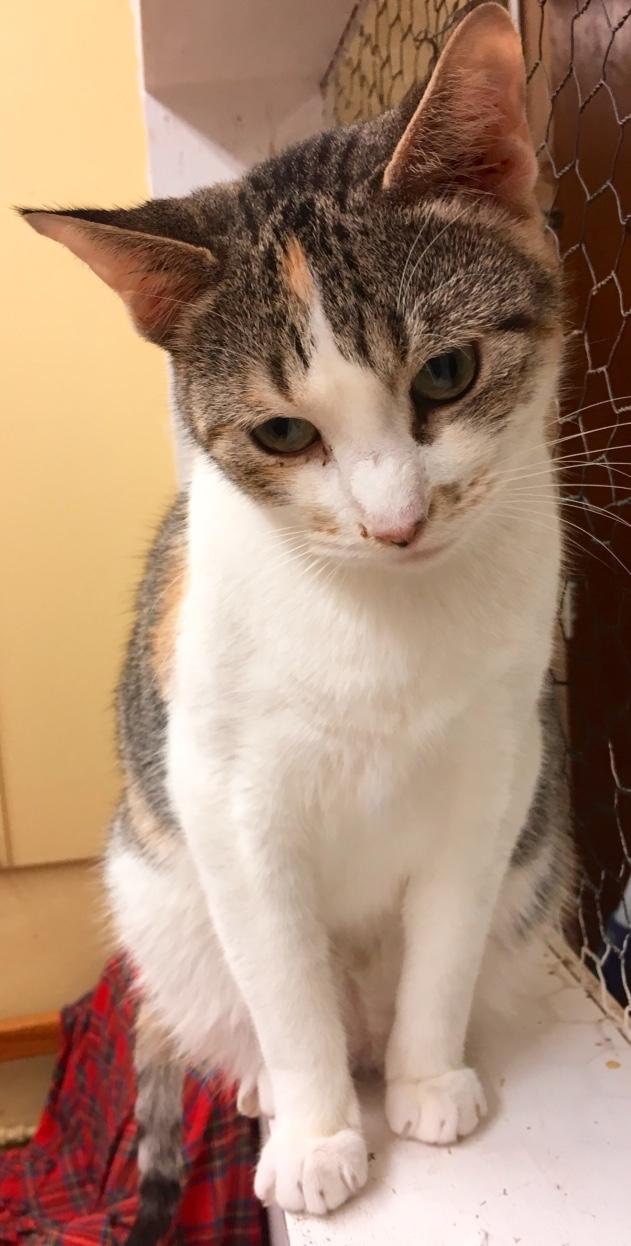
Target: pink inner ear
{"x": 155, "y": 302}
{"x": 155, "y": 296}
{"x": 470, "y": 130}
{"x": 500, "y": 67}
{"x": 156, "y": 277}
{"x": 493, "y": 148}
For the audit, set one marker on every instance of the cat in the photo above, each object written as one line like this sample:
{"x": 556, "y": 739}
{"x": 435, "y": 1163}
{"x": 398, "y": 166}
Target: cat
{"x": 338, "y": 734}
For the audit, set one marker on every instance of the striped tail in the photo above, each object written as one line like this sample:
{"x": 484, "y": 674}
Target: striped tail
{"x": 159, "y": 1115}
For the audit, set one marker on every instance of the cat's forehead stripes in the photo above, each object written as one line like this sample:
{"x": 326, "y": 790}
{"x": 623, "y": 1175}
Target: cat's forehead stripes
{"x": 465, "y": 261}
{"x": 266, "y": 393}
{"x": 444, "y": 271}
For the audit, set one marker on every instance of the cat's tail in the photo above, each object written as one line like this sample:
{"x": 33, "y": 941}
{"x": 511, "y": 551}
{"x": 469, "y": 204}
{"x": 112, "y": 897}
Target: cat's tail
{"x": 159, "y": 1076}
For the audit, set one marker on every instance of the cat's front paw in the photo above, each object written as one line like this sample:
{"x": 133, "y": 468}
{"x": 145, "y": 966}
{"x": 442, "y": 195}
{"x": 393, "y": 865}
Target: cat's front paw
{"x": 439, "y": 1110}
{"x": 303, "y": 1173}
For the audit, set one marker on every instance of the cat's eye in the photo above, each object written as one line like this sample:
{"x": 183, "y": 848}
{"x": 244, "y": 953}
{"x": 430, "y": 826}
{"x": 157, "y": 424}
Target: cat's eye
{"x": 446, "y": 377}
{"x": 284, "y": 435}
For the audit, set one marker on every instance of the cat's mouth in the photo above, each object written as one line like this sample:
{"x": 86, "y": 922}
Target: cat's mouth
{"x": 419, "y": 553}
{"x": 413, "y": 555}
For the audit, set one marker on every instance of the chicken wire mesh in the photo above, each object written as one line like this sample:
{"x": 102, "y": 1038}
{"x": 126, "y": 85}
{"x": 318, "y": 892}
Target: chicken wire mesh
{"x": 578, "y": 58}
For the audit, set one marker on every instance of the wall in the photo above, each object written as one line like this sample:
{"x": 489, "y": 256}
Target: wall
{"x": 85, "y": 472}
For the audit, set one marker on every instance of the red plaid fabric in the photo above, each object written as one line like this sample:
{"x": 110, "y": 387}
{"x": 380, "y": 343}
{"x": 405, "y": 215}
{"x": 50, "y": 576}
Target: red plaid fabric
{"x": 75, "y": 1183}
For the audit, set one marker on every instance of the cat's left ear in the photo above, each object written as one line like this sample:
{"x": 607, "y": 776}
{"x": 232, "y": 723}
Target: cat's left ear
{"x": 469, "y": 132}
{"x": 157, "y": 277}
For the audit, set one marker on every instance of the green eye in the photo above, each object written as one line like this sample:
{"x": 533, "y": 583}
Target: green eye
{"x": 286, "y": 436}
{"x": 446, "y": 376}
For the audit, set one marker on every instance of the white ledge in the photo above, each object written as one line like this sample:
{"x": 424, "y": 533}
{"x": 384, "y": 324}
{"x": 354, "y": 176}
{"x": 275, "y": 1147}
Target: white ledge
{"x": 216, "y": 41}
{"x": 551, "y": 1167}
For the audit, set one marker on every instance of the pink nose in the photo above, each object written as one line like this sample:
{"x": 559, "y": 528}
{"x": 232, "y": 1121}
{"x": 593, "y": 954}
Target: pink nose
{"x": 401, "y": 536}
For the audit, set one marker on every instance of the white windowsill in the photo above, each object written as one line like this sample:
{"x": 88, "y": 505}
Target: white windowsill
{"x": 552, "y": 1166}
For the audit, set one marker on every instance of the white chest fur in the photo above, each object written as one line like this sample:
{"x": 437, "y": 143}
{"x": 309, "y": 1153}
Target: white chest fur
{"x": 347, "y": 689}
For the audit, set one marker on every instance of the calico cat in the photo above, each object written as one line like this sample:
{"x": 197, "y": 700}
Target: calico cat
{"x": 337, "y": 732}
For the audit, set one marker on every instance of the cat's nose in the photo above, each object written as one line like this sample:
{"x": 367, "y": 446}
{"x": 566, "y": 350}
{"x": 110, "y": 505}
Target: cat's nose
{"x": 402, "y": 535}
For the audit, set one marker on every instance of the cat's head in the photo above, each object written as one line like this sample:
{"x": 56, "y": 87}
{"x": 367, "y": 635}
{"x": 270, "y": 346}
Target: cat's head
{"x": 366, "y": 328}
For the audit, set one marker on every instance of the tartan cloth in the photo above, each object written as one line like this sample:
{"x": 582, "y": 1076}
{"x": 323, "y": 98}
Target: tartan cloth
{"x": 74, "y": 1184}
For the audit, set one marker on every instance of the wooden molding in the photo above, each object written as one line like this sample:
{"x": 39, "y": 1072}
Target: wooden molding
{"x": 38, "y": 1035}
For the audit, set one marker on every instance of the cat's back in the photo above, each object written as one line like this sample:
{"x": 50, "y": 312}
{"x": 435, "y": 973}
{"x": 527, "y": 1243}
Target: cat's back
{"x": 145, "y": 819}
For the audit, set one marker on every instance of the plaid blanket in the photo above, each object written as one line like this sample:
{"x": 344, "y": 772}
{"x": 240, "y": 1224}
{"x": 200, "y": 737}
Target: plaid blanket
{"x": 75, "y": 1183}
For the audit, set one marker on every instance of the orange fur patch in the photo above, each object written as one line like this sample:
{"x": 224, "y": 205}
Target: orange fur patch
{"x": 296, "y": 271}
{"x": 163, "y": 633}
{"x": 151, "y": 835}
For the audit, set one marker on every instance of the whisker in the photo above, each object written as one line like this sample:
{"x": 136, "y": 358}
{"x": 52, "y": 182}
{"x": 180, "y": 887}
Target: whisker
{"x": 164, "y": 298}
{"x": 568, "y": 415}
{"x": 586, "y": 532}
{"x": 524, "y": 513}
{"x": 572, "y": 454}
{"x": 577, "y": 485}
{"x": 578, "y": 504}
{"x": 557, "y": 441}
{"x": 557, "y": 470}
{"x": 295, "y": 530}
{"x": 596, "y": 510}
{"x": 431, "y": 244}
{"x": 282, "y": 557}
{"x": 407, "y": 260}
{"x": 564, "y": 462}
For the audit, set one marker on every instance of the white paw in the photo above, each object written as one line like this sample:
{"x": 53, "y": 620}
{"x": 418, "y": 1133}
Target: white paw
{"x": 310, "y": 1174}
{"x": 439, "y": 1110}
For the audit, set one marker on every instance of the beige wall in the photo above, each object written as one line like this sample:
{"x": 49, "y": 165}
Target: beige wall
{"x": 55, "y": 936}
{"x": 86, "y": 469}
{"x": 85, "y": 461}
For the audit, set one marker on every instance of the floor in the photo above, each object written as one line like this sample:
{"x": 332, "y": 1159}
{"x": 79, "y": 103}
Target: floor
{"x": 551, "y": 1167}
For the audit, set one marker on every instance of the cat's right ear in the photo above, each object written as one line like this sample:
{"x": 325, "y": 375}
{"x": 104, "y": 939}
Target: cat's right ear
{"x": 157, "y": 277}
{"x": 469, "y": 133}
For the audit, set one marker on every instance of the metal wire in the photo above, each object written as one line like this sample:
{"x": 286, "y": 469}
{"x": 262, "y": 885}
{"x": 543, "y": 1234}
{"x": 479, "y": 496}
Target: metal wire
{"x": 578, "y": 57}
{"x": 387, "y": 46}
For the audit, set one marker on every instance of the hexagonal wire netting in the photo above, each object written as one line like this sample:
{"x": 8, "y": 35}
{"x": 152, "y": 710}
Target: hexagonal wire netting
{"x": 578, "y": 58}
